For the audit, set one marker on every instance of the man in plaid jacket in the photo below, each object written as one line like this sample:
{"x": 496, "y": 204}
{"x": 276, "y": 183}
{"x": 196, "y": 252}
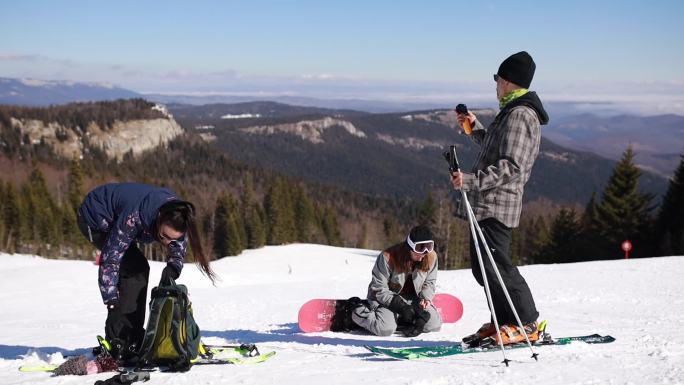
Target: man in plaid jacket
{"x": 509, "y": 147}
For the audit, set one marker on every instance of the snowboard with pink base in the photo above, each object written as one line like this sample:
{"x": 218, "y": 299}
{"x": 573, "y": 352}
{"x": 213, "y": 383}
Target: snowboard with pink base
{"x": 317, "y": 315}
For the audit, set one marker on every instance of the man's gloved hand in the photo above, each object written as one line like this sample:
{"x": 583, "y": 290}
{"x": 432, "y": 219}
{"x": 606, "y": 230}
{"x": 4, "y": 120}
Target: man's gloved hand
{"x": 168, "y": 273}
{"x": 422, "y": 317}
{"x": 402, "y": 308}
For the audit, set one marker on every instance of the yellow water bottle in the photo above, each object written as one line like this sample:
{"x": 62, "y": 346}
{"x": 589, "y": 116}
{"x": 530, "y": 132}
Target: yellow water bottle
{"x": 462, "y": 109}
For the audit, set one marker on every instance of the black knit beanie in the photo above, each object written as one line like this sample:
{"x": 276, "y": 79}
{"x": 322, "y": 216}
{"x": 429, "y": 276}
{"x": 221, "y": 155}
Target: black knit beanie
{"x": 518, "y": 68}
{"x": 420, "y": 234}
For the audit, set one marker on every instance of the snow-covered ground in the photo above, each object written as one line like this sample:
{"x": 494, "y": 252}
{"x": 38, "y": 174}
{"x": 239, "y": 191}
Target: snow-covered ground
{"x": 50, "y": 306}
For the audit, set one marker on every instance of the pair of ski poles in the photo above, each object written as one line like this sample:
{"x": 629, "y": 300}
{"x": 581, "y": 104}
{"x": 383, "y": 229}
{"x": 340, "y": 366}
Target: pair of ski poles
{"x": 478, "y": 235}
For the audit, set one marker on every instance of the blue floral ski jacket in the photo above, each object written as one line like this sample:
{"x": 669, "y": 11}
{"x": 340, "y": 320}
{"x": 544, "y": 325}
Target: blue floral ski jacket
{"x": 126, "y": 212}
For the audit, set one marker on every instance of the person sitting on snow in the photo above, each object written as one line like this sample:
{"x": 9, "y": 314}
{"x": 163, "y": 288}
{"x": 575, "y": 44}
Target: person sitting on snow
{"x": 400, "y": 292}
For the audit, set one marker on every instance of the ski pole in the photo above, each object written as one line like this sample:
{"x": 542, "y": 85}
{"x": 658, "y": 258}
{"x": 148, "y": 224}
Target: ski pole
{"x": 452, "y": 159}
{"x": 471, "y": 220}
{"x": 471, "y": 215}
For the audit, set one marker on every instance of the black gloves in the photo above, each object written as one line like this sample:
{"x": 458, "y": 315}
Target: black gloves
{"x": 414, "y": 315}
{"x": 402, "y": 308}
{"x": 422, "y": 317}
{"x": 167, "y": 273}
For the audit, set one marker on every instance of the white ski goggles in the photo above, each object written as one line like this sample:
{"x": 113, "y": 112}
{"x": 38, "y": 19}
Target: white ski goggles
{"x": 421, "y": 247}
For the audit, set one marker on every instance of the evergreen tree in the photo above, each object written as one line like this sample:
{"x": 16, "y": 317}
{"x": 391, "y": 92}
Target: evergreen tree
{"x": 11, "y": 218}
{"x": 540, "y": 238}
{"x": 305, "y": 217}
{"x": 220, "y": 244}
{"x": 27, "y": 211}
{"x": 76, "y": 182}
{"x": 428, "y": 211}
{"x": 254, "y": 224}
{"x": 562, "y": 247}
{"x": 526, "y": 238}
{"x": 590, "y": 212}
{"x": 623, "y": 212}
{"x": 330, "y": 227}
{"x": 71, "y": 237}
{"x": 238, "y": 221}
{"x": 280, "y": 213}
{"x": 236, "y": 233}
{"x": 47, "y": 206}
{"x": 42, "y": 215}
{"x": 255, "y": 229}
{"x": 671, "y": 217}
{"x": 589, "y": 242}
{"x": 227, "y": 235}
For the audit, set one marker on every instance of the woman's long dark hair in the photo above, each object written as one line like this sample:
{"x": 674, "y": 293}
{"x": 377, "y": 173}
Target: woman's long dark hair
{"x": 401, "y": 262}
{"x": 180, "y": 216}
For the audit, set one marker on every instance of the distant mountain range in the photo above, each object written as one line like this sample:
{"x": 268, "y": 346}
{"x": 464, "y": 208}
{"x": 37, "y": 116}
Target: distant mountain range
{"x": 394, "y": 154}
{"x": 33, "y": 92}
{"x": 658, "y": 141}
{"x": 376, "y": 106}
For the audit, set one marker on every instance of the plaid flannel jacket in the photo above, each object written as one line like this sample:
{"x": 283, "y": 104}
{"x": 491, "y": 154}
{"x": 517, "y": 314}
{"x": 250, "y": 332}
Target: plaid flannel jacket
{"x": 509, "y": 147}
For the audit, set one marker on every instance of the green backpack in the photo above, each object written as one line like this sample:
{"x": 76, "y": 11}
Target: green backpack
{"x": 172, "y": 337}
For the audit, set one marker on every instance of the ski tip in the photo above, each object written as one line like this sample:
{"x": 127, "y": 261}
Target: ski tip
{"x": 599, "y": 339}
{"x": 37, "y": 368}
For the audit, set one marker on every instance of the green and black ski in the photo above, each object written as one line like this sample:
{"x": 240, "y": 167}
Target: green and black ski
{"x": 450, "y": 350}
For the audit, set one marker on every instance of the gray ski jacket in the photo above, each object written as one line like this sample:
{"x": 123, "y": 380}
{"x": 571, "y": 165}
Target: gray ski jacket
{"x": 388, "y": 281}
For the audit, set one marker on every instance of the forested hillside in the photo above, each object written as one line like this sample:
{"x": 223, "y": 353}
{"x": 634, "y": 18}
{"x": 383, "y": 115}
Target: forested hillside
{"x": 243, "y": 206}
{"x": 380, "y": 153}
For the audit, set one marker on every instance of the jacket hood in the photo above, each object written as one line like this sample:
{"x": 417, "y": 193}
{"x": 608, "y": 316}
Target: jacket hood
{"x": 531, "y": 100}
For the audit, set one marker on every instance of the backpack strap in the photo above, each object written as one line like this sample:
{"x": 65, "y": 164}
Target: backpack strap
{"x": 180, "y": 306}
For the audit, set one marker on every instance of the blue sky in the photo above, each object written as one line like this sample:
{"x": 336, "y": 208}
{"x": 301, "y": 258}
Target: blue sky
{"x": 400, "y": 49}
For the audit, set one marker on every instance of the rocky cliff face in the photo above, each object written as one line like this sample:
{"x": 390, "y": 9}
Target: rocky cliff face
{"x": 122, "y": 137}
{"x": 310, "y": 130}
{"x": 135, "y": 135}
